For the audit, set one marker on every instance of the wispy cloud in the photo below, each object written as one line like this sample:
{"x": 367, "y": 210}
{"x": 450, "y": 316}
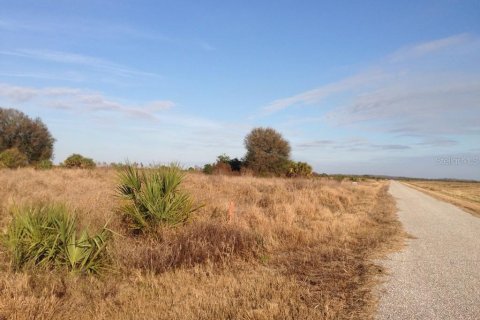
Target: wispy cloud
{"x": 355, "y": 144}
{"x": 92, "y": 29}
{"x": 80, "y": 100}
{"x": 185, "y": 128}
{"x": 77, "y": 59}
{"x": 316, "y": 96}
{"x": 438, "y": 142}
{"x": 427, "y": 106}
{"x": 316, "y": 144}
{"x": 404, "y": 98}
{"x": 373, "y": 77}
{"x": 430, "y": 47}
{"x": 67, "y": 76}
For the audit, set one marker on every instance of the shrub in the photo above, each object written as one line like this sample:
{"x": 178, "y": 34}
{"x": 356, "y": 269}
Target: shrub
{"x": 208, "y": 169}
{"x": 44, "y": 165}
{"x": 268, "y": 152}
{"x": 299, "y": 169}
{"x": 79, "y": 161}
{"x": 236, "y": 164}
{"x": 47, "y": 236}
{"x": 153, "y": 197}
{"x": 223, "y": 158}
{"x": 13, "y": 158}
{"x": 224, "y": 165}
{"x": 30, "y": 136}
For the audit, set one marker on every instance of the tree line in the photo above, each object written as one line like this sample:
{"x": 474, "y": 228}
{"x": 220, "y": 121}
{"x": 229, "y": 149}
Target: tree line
{"x": 28, "y": 142}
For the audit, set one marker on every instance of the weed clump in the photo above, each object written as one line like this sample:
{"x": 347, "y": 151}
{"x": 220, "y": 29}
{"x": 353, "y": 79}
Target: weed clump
{"x": 153, "y": 197}
{"x": 47, "y": 236}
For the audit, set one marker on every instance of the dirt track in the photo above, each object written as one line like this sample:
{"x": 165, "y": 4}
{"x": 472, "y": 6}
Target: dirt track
{"x": 437, "y": 275}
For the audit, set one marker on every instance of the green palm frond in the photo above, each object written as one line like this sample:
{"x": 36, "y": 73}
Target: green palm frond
{"x": 154, "y": 197}
{"x": 46, "y": 235}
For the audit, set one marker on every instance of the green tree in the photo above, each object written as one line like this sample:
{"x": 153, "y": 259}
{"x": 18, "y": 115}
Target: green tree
{"x": 30, "y": 136}
{"x": 223, "y": 158}
{"x": 267, "y": 152}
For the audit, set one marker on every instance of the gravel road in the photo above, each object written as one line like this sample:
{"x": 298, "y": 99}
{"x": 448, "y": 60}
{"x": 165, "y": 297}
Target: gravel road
{"x": 437, "y": 275}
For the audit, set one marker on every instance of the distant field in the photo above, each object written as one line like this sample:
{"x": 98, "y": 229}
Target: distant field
{"x": 463, "y": 194}
{"x": 259, "y": 248}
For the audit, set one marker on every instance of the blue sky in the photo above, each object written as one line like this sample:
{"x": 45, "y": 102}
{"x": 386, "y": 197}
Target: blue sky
{"x": 366, "y": 87}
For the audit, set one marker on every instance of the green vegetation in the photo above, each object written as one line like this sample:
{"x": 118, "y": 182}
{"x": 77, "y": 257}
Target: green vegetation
{"x": 46, "y": 236}
{"x": 223, "y": 165}
{"x": 299, "y": 169}
{"x": 44, "y": 165}
{"x": 79, "y": 161}
{"x": 208, "y": 168}
{"x": 268, "y": 152}
{"x": 30, "y": 136}
{"x": 12, "y": 158}
{"x": 153, "y": 197}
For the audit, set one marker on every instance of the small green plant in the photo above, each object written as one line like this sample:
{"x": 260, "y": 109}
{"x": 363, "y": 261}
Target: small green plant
{"x": 208, "y": 169}
{"x": 44, "y": 165}
{"x": 153, "y": 197}
{"x": 13, "y": 158}
{"x": 47, "y": 236}
{"x": 264, "y": 259}
{"x": 79, "y": 161}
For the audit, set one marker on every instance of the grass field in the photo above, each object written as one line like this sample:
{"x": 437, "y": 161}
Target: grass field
{"x": 259, "y": 248}
{"x": 463, "y": 194}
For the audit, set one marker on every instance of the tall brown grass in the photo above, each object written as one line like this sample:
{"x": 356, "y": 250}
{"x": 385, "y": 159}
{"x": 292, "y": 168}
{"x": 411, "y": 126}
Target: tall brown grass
{"x": 285, "y": 249}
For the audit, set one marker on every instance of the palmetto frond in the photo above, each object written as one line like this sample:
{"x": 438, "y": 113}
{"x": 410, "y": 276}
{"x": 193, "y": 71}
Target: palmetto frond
{"x": 154, "y": 197}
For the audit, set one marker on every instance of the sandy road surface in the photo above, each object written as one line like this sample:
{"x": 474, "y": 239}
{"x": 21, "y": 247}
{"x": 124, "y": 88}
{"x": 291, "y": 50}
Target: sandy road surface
{"x": 437, "y": 275}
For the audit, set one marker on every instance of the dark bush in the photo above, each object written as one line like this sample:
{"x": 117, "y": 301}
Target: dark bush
{"x": 236, "y": 164}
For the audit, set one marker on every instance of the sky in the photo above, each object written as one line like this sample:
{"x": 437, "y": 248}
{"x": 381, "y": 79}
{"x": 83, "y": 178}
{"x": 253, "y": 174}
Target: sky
{"x": 356, "y": 87}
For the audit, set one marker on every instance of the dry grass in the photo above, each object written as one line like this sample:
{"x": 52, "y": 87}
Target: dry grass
{"x": 463, "y": 194}
{"x": 285, "y": 249}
